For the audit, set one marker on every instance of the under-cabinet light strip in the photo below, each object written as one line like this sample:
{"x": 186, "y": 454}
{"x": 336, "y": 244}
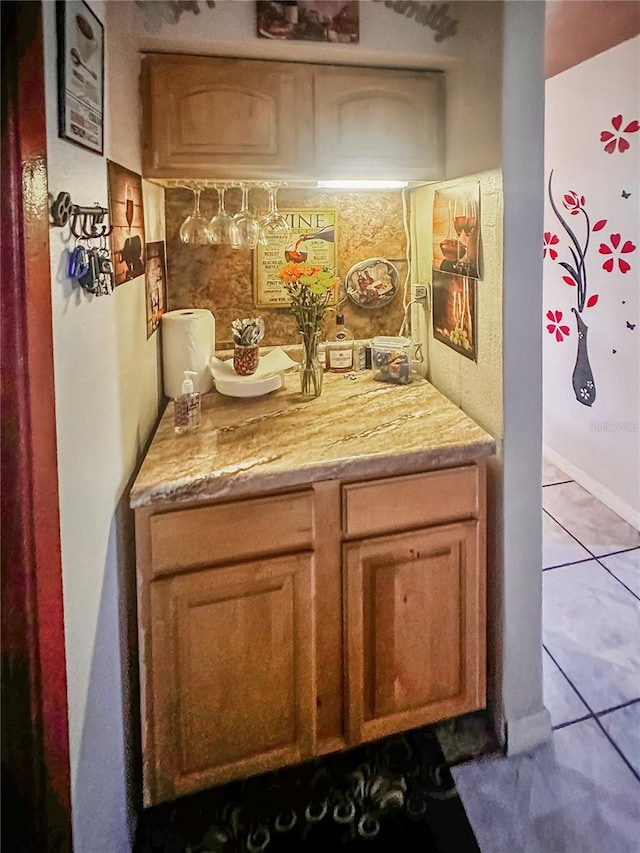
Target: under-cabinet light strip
{"x": 362, "y": 185}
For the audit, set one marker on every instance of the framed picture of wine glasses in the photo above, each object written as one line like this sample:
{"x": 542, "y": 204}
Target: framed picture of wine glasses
{"x": 454, "y": 313}
{"x": 127, "y": 217}
{"x": 80, "y": 37}
{"x": 156, "y": 285}
{"x": 456, "y": 230}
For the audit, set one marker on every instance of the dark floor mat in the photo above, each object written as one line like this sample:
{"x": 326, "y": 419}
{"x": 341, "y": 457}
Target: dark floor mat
{"x": 394, "y": 795}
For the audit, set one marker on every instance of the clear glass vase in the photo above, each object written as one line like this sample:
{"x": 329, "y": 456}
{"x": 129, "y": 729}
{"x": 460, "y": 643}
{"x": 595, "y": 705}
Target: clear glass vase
{"x": 311, "y": 371}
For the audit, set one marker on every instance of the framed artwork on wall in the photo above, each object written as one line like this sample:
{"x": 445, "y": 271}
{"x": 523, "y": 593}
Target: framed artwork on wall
{"x": 127, "y": 217}
{"x": 312, "y": 240}
{"x": 156, "y": 285}
{"x": 456, "y": 230}
{"x": 309, "y": 20}
{"x": 80, "y": 75}
{"x": 454, "y": 313}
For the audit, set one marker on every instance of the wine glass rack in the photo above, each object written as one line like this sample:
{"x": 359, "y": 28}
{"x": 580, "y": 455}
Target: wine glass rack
{"x": 245, "y": 230}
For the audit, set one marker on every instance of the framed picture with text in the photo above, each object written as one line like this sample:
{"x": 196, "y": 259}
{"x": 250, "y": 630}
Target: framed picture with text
{"x": 312, "y": 240}
{"x": 80, "y": 75}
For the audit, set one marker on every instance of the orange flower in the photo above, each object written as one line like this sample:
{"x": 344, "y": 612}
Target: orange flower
{"x": 291, "y": 273}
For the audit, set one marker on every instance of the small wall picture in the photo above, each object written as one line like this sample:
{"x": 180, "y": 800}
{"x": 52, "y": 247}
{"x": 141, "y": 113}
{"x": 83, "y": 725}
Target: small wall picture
{"x": 454, "y": 313}
{"x": 310, "y": 20}
{"x": 127, "y": 217}
{"x": 456, "y": 230}
{"x": 80, "y": 75}
{"x": 156, "y": 285}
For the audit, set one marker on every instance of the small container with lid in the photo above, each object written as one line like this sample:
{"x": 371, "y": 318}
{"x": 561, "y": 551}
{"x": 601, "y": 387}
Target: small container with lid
{"x": 391, "y": 359}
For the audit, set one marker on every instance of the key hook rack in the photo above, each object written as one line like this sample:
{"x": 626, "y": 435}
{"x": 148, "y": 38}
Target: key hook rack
{"x": 88, "y": 222}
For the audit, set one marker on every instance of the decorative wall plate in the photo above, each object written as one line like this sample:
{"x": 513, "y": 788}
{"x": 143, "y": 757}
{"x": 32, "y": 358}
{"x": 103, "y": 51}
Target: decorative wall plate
{"x": 372, "y": 283}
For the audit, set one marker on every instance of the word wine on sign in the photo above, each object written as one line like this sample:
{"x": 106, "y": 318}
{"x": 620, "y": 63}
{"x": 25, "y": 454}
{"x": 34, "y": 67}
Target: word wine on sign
{"x": 301, "y": 220}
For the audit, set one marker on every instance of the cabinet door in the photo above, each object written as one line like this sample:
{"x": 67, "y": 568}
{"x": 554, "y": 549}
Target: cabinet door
{"x": 415, "y": 605}
{"x": 233, "y": 675}
{"x": 379, "y": 123}
{"x": 212, "y": 117}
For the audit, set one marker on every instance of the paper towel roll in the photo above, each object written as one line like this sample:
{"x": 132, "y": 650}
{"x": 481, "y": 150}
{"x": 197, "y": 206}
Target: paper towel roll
{"x": 188, "y": 342}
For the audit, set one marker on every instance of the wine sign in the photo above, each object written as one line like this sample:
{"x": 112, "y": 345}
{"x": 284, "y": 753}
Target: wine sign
{"x": 456, "y": 230}
{"x": 127, "y": 216}
{"x": 80, "y": 38}
{"x": 313, "y": 240}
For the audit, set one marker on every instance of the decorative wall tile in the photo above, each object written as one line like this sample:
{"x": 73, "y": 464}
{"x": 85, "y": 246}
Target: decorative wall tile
{"x": 221, "y": 279}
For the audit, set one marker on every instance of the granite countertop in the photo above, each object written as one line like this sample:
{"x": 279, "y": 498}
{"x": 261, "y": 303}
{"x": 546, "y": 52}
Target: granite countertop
{"x": 356, "y": 429}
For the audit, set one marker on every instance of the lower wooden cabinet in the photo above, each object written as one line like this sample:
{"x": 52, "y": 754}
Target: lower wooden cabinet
{"x": 234, "y": 688}
{"x": 414, "y": 607}
{"x": 330, "y": 627}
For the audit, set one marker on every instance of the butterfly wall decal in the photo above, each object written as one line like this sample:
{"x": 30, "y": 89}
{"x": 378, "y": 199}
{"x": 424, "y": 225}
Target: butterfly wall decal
{"x": 631, "y": 325}
{"x": 625, "y": 194}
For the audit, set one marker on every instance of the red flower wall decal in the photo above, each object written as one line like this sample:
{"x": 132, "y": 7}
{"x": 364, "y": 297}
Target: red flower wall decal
{"x": 550, "y": 240}
{"x": 615, "y": 250}
{"x": 617, "y": 140}
{"x": 573, "y": 202}
{"x": 555, "y": 327}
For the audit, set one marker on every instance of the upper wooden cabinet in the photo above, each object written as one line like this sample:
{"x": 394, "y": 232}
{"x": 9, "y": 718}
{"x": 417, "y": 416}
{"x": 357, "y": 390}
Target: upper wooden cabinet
{"x": 378, "y": 123}
{"x": 205, "y": 117}
{"x": 214, "y": 117}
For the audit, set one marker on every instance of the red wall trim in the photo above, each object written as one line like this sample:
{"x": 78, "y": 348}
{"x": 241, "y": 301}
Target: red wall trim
{"x": 35, "y": 747}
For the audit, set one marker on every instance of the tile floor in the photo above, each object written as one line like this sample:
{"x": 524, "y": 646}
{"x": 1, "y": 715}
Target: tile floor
{"x": 580, "y": 793}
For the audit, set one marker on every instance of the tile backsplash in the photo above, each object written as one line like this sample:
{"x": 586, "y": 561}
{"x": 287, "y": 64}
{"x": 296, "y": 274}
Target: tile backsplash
{"x": 221, "y": 279}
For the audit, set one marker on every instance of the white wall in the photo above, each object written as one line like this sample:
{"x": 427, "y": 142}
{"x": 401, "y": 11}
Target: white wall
{"x": 106, "y": 405}
{"x": 474, "y": 386}
{"x": 598, "y": 445}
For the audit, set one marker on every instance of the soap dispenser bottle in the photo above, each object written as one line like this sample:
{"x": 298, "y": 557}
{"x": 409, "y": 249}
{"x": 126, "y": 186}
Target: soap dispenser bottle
{"x": 186, "y": 407}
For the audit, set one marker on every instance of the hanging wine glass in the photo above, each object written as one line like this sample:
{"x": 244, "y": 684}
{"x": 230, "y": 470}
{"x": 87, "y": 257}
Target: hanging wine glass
{"x": 220, "y": 224}
{"x": 195, "y": 229}
{"x": 244, "y": 230}
{"x": 273, "y": 224}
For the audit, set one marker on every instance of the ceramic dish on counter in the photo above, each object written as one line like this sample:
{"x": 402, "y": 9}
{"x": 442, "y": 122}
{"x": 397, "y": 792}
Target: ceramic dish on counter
{"x": 372, "y": 283}
{"x": 250, "y": 387}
